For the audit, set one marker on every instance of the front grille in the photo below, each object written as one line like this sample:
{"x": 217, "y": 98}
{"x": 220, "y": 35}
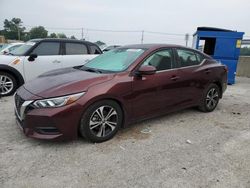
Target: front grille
{"x": 18, "y": 103}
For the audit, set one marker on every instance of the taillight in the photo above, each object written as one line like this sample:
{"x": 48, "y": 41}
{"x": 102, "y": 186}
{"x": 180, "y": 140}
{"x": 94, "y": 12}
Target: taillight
{"x": 225, "y": 68}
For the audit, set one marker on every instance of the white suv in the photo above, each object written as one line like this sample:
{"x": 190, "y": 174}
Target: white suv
{"x": 41, "y": 55}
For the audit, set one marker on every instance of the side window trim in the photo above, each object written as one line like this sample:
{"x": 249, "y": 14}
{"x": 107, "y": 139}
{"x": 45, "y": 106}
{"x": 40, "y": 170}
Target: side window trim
{"x": 29, "y": 52}
{"x": 61, "y": 48}
{"x": 90, "y": 50}
{"x": 175, "y": 57}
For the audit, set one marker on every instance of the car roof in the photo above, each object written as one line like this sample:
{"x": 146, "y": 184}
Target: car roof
{"x": 61, "y": 40}
{"x": 156, "y": 46}
{"x": 16, "y": 43}
{"x": 150, "y": 46}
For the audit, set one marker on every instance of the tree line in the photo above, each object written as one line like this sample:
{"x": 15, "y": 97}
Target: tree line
{"x": 245, "y": 51}
{"x": 13, "y": 30}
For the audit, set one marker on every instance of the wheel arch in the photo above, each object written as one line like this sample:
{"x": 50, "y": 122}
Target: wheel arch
{"x": 218, "y": 83}
{"x": 17, "y": 75}
{"x": 119, "y": 102}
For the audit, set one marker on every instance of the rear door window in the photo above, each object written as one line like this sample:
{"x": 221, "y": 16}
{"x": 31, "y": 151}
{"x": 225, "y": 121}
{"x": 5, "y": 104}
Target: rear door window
{"x": 75, "y": 49}
{"x": 189, "y": 58}
{"x": 47, "y": 48}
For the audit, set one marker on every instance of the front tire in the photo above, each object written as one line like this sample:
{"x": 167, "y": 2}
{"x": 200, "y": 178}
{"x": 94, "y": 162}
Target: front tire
{"x": 101, "y": 121}
{"x": 210, "y": 98}
{"x": 8, "y": 84}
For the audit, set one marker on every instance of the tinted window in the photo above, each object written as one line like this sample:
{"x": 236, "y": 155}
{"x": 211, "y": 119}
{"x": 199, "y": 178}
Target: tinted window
{"x": 188, "y": 58}
{"x": 161, "y": 60}
{"x": 94, "y": 50}
{"x": 200, "y": 57}
{"x": 47, "y": 48}
{"x": 75, "y": 49}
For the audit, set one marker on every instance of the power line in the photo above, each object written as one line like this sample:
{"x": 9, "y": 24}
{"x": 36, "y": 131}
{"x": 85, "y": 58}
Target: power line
{"x": 161, "y": 33}
{"x": 106, "y": 30}
{"x": 113, "y": 31}
{"x": 109, "y": 30}
{"x": 89, "y": 29}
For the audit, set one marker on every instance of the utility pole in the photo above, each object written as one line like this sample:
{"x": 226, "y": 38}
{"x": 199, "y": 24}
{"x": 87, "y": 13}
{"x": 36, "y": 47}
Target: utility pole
{"x": 18, "y": 32}
{"x": 186, "y": 38}
{"x": 142, "y": 36}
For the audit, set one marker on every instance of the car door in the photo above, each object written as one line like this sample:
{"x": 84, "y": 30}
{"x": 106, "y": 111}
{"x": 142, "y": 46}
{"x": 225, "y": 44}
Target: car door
{"x": 48, "y": 58}
{"x": 158, "y": 92}
{"x": 193, "y": 75}
{"x": 76, "y": 54}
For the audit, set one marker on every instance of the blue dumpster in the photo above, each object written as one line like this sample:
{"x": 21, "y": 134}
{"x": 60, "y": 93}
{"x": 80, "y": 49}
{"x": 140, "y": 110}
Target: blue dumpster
{"x": 223, "y": 45}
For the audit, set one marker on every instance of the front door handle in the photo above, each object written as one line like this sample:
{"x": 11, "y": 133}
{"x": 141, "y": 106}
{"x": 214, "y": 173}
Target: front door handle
{"x": 174, "y": 78}
{"x": 56, "y": 61}
{"x": 207, "y": 71}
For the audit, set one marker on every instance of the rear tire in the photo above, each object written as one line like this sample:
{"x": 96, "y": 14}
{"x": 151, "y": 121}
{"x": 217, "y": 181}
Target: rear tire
{"x": 101, "y": 121}
{"x": 210, "y": 98}
{"x": 8, "y": 84}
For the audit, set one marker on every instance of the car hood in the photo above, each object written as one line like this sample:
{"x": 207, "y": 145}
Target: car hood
{"x": 65, "y": 81}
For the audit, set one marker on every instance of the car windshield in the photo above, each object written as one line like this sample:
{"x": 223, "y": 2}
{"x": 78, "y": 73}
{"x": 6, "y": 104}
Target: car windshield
{"x": 22, "y": 49}
{"x": 116, "y": 60}
{"x": 3, "y": 46}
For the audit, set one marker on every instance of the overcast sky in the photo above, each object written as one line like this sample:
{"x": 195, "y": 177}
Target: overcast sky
{"x": 175, "y": 16}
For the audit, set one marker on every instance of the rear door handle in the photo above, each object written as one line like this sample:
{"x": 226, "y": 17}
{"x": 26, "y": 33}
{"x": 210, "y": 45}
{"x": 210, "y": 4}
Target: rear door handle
{"x": 174, "y": 78}
{"x": 56, "y": 61}
{"x": 207, "y": 71}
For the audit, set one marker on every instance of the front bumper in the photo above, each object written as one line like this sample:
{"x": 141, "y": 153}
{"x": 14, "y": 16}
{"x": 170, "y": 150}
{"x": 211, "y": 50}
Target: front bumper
{"x": 48, "y": 123}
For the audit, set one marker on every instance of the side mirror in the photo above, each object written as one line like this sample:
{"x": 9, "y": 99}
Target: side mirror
{"x": 147, "y": 70}
{"x": 5, "y": 52}
{"x": 32, "y": 57}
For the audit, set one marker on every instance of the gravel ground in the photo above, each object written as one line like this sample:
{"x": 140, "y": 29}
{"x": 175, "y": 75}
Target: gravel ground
{"x": 184, "y": 149}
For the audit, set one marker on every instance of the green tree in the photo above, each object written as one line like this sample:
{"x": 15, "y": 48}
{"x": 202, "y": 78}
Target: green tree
{"x": 61, "y": 35}
{"x": 13, "y": 29}
{"x": 52, "y": 35}
{"x": 38, "y": 32}
{"x": 245, "y": 51}
{"x": 26, "y": 36}
{"x": 72, "y": 37}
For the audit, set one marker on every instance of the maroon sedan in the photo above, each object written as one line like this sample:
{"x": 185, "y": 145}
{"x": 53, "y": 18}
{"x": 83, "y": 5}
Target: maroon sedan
{"x": 124, "y": 85}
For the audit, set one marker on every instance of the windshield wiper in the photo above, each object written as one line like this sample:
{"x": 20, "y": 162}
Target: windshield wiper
{"x": 93, "y": 70}
{"x": 9, "y": 53}
{"x": 90, "y": 69}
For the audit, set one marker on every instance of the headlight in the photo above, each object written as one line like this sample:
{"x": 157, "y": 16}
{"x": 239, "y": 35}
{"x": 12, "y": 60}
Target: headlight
{"x": 58, "y": 101}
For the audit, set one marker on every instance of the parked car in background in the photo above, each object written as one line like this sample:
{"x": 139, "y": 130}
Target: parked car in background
{"x": 118, "y": 88}
{"x": 110, "y": 48}
{"x": 3, "y": 45}
{"x": 41, "y": 55}
{"x": 10, "y": 47}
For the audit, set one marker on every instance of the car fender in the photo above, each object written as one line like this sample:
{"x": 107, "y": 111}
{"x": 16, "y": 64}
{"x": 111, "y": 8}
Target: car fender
{"x": 124, "y": 107}
{"x": 14, "y": 72}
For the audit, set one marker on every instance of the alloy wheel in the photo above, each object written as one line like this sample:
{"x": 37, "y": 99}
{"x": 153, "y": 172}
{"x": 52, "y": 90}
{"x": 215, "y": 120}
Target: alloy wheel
{"x": 6, "y": 84}
{"x": 212, "y": 98}
{"x": 103, "y": 121}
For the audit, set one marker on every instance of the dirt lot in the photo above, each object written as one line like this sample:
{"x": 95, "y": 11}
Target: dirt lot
{"x": 183, "y": 149}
